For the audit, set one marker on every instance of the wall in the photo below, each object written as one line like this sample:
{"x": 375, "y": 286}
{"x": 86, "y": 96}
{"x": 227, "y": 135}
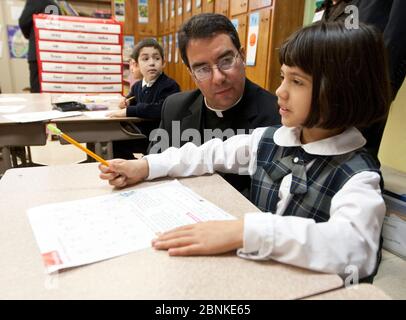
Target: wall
{"x": 5, "y": 80}
{"x": 310, "y": 7}
{"x": 277, "y": 20}
{"x": 90, "y": 6}
{"x": 392, "y": 152}
{"x": 14, "y": 74}
{"x": 393, "y": 147}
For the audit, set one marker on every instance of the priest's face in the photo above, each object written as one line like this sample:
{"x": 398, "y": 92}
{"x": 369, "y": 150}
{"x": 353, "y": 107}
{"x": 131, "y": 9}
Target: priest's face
{"x": 218, "y": 69}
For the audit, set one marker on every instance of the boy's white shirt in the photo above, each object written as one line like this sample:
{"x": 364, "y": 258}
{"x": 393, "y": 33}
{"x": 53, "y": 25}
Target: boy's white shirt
{"x": 149, "y": 84}
{"x": 351, "y": 236}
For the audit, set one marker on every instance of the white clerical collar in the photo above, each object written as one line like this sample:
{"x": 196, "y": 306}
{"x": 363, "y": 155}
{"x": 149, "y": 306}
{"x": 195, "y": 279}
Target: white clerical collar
{"x": 218, "y": 112}
{"x": 350, "y": 140}
{"x": 149, "y": 84}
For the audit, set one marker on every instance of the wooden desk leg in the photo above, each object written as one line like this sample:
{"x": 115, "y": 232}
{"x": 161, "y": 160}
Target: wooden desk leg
{"x": 98, "y": 149}
{"x": 6, "y": 157}
{"x": 109, "y": 154}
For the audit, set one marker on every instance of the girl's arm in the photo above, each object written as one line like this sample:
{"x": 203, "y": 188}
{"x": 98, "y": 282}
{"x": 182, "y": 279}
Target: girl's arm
{"x": 348, "y": 241}
{"x": 236, "y": 155}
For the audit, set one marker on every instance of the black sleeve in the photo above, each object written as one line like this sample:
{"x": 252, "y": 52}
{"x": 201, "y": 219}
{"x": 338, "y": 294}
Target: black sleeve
{"x": 25, "y": 20}
{"x": 133, "y": 93}
{"x": 153, "y": 110}
{"x": 395, "y": 41}
{"x": 163, "y": 127}
{"x": 32, "y": 7}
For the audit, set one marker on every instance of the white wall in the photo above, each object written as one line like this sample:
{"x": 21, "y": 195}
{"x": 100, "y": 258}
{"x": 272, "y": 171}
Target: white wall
{"x": 14, "y": 73}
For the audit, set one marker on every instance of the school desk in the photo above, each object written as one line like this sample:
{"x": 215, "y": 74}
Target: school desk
{"x": 146, "y": 274}
{"x": 81, "y": 128}
{"x": 360, "y": 292}
{"x": 23, "y": 134}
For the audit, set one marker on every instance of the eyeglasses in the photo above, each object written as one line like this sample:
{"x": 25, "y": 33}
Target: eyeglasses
{"x": 205, "y": 72}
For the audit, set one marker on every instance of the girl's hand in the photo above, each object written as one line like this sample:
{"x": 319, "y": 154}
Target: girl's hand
{"x": 122, "y": 173}
{"x": 206, "y": 238}
{"x": 118, "y": 114}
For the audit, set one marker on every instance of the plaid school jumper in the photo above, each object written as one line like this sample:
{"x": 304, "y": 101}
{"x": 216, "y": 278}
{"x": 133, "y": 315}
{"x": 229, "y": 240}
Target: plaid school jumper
{"x": 311, "y": 190}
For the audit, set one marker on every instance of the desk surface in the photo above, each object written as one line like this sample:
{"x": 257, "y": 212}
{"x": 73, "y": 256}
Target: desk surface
{"x": 82, "y": 128}
{"x": 36, "y": 102}
{"x": 360, "y": 292}
{"x": 32, "y": 102}
{"x": 146, "y": 274}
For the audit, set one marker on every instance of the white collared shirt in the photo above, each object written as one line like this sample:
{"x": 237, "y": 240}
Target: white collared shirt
{"x": 219, "y": 112}
{"x": 351, "y": 236}
{"x": 149, "y": 84}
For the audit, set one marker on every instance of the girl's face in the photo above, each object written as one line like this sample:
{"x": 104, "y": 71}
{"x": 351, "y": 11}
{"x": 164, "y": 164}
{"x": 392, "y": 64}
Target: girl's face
{"x": 294, "y": 96}
{"x": 135, "y": 69}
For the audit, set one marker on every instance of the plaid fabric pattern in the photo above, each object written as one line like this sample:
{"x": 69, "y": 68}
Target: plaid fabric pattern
{"x": 312, "y": 190}
{"x": 294, "y": 162}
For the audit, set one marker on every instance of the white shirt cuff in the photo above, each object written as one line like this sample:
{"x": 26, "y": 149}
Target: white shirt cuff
{"x": 158, "y": 166}
{"x": 258, "y": 236}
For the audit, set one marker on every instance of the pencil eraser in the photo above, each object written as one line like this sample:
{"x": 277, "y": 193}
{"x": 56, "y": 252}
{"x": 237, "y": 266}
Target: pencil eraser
{"x": 54, "y": 129}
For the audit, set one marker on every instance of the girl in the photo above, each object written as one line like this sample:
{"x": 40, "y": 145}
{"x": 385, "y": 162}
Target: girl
{"x": 320, "y": 186}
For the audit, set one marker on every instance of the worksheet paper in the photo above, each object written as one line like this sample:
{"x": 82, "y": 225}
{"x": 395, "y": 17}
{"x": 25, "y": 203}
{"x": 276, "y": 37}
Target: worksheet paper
{"x": 80, "y": 232}
{"x": 11, "y": 108}
{"x": 97, "y": 114}
{"x": 12, "y": 99}
{"x": 102, "y": 98}
{"x": 41, "y": 116}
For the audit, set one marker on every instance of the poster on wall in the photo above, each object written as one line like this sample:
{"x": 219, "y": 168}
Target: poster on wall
{"x": 176, "y": 48}
{"x": 142, "y": 11}
{"x": 189, "y": 6}
{"x": 253, "y": 33}
{"x": 172, "y": 9}
{"x": 164, "y": 46}
{"x": 161, "y": 11}
{"x": 119, "y": 10}
{"x": 17, "y": 44}
{"x": 180, "y": 7}
{"x": 166, "y": 10}
{"x": 128, "y": 47}
{"x": 198, "y": 4}
{"x": 235, "y": 23}
{"x": 170, "y": 48}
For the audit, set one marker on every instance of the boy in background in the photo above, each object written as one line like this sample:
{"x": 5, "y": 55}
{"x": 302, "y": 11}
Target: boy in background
{"x": 146, "y": 97}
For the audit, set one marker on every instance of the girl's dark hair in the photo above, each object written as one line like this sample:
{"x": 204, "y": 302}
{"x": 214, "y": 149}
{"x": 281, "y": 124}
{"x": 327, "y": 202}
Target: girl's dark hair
{"x": 205, "y": 25}
{"x": 349, "y": 70}
{"x": 147, "y": 43}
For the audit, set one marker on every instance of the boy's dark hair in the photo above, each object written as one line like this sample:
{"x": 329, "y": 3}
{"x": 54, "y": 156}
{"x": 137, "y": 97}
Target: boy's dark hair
{"x": 327, "y": 4}
{"x": 349, "y": 69}
{"x": 147, "y": 43}
{"x": 205, "y": 25}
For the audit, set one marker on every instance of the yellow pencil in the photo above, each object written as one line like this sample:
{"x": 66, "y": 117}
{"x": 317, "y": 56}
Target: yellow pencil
{"x": 129, "y": 99}
{"x": 58, "y": 132}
